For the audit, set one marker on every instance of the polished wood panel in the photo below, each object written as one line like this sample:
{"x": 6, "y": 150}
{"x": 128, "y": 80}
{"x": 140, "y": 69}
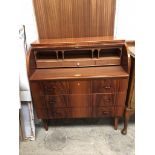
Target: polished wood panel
{"x": 55, "y": 87}
{"x": 74, "y": 18}
{"x": 80, "y": 100}
{"x": 80, "y": 112}
{"x": 58, "y": 113}
{"x": 80, "y": 86}
{"x": 120, "y": 98}
{"x": 119, "y": 111}
{"x": 56, "y": 101}
{"x": 101, "y": 100}
{"x": 122, "y": 85}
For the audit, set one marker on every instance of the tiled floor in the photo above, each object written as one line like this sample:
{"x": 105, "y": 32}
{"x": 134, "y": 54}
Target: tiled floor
{"x": 81, "y": 137}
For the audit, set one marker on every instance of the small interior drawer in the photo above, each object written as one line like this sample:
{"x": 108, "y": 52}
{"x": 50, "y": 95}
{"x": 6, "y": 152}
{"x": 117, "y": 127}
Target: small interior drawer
{"x": 107, "y": 61}
{"x": 78, "y": 63}
{"x": 49, "y": 63}
{"x": 104, "y": 86}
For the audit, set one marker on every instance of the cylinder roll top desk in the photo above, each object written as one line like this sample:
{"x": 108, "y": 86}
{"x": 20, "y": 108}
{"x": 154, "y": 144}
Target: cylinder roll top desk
{"x": 75, "y": 69}
{"x": 81, "y": 78}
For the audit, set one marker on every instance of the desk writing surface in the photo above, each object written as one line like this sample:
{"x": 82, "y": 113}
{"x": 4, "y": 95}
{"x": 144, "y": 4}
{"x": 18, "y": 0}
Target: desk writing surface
{"x": 78, "y": 73}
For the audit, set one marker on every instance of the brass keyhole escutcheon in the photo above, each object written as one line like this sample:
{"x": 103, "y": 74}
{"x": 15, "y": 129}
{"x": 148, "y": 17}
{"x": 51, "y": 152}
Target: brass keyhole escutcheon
{"x": 78, "y": 83}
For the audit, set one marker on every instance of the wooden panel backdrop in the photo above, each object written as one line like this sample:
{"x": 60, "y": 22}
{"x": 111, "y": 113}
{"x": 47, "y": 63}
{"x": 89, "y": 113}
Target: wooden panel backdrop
{"x": 74, "y": 18}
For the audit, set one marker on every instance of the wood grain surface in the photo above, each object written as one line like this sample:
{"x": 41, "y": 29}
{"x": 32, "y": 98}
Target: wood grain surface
{"x": 74, "y": 18}
{"x": 78, "y": 73}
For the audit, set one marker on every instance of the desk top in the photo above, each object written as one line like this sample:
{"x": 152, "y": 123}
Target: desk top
{"x": 79, "y": 73}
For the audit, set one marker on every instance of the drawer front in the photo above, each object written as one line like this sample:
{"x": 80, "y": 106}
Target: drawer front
{"x": 78, "y": 63}
{"x": 84, "y": 86}
{"x": 104, "y": 111}
{"x": 80, "y": 112}
{"x": 108, "y": 61}
{"x": 104, "y": 86}
{"x": 70, "y": 112}
{"x": 48, "y": 64}
{"x": 56, "y": 101}
{"x": 55, "y": 87}
{"x": 100, "y": 100}
{"x": 58, "y": 113}
{"x": 80, "y": 100}
{"x": 80, "y": 87}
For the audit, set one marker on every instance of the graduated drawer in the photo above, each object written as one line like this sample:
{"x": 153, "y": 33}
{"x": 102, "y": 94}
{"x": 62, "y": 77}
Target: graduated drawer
{"x": 62, "y": 101}
{"x": 55, "y": 87}
{"x": 56, "y": 101}
{"x": 109, "y": 111}
{"x": 70, "y": 112}
{"x": 104, "y": 111}
{"x": 104, "y": 86}
{"x": 101, "y": 100}
{"x": 109, "y": 85}
{"x": 67, "y": 87}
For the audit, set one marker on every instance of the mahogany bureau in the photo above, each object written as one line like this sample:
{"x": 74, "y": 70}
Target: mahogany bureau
{"x": 78, "y": 78}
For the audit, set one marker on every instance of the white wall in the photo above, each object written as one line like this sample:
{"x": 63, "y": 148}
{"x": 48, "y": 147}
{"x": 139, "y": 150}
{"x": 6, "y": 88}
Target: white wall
{"x": 125, "y": 19}
{"x": 26, "y": 18}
